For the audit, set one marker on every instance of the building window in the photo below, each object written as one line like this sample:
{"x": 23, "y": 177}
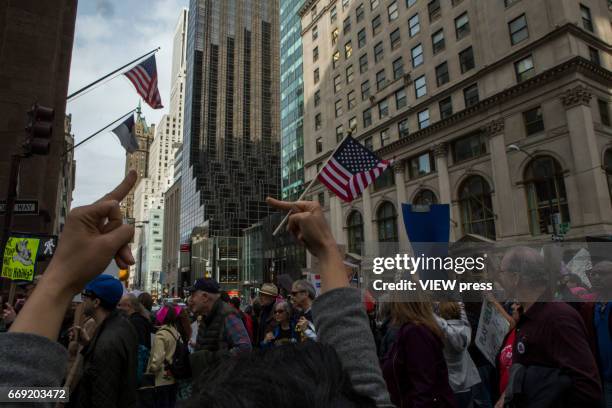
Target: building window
{"x": 417, "y": 55}
{"x": 518, "y": 29}
{"x": 400, "y": 98}
{"x": 384, "y": 137}
{"x": 425, "y": 197}
{"x": 338, "y": 108}
{"x": 395, "y": 38}
{"x": 319, "y": 144}
{"x": 349, "y": 74}
{"x": 346, "y": 25}
{"x": 546, "y": 197}
{"x": 317, "y": 98}
{"x": 410, "y": 3}
{"x": 363, "y": 63}
{"x": 446, "y": 108}
{"x": 434, "y": 10}
{"x": 315, "y": 54}
{"x": 348, "y": 49}
{"x": 354, "y": 230}
{"x": 466, "y": 60}
{"x": 587, "y": 23}
{"x": 604, "y": 112}
{"x": 339, "y": 133}
{"x": 534, "y": 121}
{"x": 594, "y": 56}
{"x": 378, "y": 52}
{"x": 350, "y": 97}
{"x": 607, "y": 164}
{"x": 442, "y": 76}
{"x": 335, "y": 59}
{"x": 315, "y": 33}
{"x": 367, "y": 117}
{"x": 420, "y": 165}
{"x": 393, "y": 11}
{"x": 373, "y": 4}
{"x": 333, "y": 14}
{"x": 376, "y": 25}
{"x": 334, "y": 36}
{"x": 383, "y": 108}
{"x": 437, "y": 41}
{"x": 386, "y": 220}
{"x": 469, "y": 147}
{"x": 423, "y": 117}
{"x": 524, "y": 69}
{"x": 470, "y": 95}
{"x": 398, "y": 68}
{"x": 361, "y": 38}
{"x": 476, "y": 207}
{"x": 367, "y": 142}
{"x": 316, "y": 75}
{"x": 337, "y": 83}
{"x": 381, "y": 79}
{"x": 318, "y": 121}
{"x": 365, "y": 90}
{"x": 420, "y": 86}
{"x": 345, "y": 4}
{"x": 353, "y": 124}
{"x": 360, "y": 12}
{"x": 402, "y": 128}
{"x": 413, "y": 25}
{"x": 462, "y": 26}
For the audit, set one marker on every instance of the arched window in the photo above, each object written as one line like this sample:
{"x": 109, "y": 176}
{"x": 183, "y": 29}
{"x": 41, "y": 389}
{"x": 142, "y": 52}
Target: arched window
{"x": 354, "y": 228}
{"x": 546, "y": 197}
{"x": 476, "y": 207}
{"x": 425, "y": 197}
{"x": 608, "y": 168}
{"x": 386, "y": 218}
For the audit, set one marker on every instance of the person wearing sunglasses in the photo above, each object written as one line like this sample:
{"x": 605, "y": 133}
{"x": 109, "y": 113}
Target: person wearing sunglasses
{"x": 302, "y": 296}
{"x": 284, "y": 331}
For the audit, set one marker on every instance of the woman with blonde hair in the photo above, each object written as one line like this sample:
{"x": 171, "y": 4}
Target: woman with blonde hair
{"x": 414, "y": 368}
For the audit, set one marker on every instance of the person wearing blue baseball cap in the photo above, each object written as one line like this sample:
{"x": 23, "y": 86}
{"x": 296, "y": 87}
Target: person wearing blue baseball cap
{"x": 110, "y": 357}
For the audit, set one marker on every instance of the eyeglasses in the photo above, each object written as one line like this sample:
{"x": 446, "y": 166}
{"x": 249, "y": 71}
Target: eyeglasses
{"x": 87, "y": 294}
{"x": 297, "y": 291}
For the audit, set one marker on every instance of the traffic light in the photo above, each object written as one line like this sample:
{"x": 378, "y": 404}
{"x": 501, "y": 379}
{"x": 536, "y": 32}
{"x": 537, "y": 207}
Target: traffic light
{"x": 39, "y": 130}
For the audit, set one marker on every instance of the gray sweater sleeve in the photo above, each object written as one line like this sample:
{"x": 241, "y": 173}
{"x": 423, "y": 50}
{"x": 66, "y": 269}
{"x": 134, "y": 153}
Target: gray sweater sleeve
{"x": 341, "y": 322}
{"x": 29, "y": 360}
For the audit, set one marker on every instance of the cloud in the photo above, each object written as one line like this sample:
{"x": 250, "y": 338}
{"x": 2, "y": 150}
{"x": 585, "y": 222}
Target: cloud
{"x": 105, "y": 8}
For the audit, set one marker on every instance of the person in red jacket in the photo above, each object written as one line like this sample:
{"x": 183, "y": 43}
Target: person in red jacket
{"x": 247, "y": 320}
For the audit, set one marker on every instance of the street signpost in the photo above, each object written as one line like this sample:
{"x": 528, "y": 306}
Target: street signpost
{"x": 21, "y": 207}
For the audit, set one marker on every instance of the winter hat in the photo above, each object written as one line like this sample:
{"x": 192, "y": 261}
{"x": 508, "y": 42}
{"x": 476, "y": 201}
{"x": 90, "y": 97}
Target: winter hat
{"x": 107, "y": 288}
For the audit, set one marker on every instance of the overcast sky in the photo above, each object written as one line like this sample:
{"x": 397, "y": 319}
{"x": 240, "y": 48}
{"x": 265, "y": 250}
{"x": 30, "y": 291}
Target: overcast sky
{"x": 110, "y": 33}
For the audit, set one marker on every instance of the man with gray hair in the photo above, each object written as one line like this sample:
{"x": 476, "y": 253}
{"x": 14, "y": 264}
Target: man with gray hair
{"x": 549, "y": 336}
{"x": 302, "y": 296}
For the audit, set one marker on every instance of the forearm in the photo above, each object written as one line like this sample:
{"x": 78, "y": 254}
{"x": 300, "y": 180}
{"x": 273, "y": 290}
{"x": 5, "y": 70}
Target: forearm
{"x": 332, "y": 269}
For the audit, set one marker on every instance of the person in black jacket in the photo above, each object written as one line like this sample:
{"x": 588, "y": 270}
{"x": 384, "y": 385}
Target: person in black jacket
{"x": 139, "y": 317}
{"x": 109, "y": 359}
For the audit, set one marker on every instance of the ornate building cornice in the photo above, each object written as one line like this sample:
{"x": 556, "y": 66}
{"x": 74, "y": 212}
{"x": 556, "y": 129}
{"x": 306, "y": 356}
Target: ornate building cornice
{"x": 440, "y": 149}
{"x": 578, "y": 95}
{"x": 494, "y": 127}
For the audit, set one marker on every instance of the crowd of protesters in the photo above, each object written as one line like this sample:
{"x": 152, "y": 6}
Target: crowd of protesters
{"x": 293, "y": 347}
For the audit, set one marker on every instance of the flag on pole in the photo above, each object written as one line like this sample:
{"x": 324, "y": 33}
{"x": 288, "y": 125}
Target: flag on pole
{"x": 125, "y": 133}
{"x": 144, "y": 78}
{"x": 351, "y": 169}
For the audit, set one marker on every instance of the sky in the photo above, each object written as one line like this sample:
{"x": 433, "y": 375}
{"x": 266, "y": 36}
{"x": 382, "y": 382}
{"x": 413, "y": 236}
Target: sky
{"x": 109, "y": 34}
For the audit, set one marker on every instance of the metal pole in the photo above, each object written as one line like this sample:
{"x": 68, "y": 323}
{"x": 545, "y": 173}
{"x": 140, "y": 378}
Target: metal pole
{"x": 98, "y": 132}
{"x": 11, "y": 196}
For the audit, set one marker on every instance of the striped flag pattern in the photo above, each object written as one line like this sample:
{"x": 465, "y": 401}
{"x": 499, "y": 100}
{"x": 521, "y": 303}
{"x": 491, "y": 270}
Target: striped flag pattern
{"x": 351, "y": 169}
{"x": 144, "y": 78}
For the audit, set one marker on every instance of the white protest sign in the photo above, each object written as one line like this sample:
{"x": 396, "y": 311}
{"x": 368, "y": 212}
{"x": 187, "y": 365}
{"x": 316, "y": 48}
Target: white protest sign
{"x": 492, "y": 328}
{"x": 580, "y": 263}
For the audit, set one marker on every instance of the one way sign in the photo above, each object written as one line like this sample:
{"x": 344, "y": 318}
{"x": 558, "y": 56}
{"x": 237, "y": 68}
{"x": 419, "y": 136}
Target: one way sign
{"x": 22, "y": 207}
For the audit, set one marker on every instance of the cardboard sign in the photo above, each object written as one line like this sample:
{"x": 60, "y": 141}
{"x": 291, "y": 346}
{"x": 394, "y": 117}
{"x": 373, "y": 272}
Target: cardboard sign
{"x": 19, "y": 261}
{"x": 580, "y": 264}
{"x": 492, "y": 328}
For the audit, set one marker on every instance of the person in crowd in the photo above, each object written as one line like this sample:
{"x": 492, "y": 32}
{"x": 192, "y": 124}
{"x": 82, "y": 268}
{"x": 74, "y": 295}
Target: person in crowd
{"x": 109, "y": 358}
{"x": 146, "y": 300}
{"x": 597, "y": 317}
{"x": 462, "y": 372}
{"x": 414, "y": 368}
{"x": 504, "y": 359}
{"x": 184, "y": 327}
{"x": 285, "y": 285}
{"x": 139, "y": 317}
{"x": 225, "y": 296}
{"x": 162, "y": 352}
{"x": 550, "y": 341}
{"x": 221, "y": 333}
{"x": 578, "y": 288}
{"x": 284, "y": 331}
{"x": 247, "y": 320}
{"x": 386, "y": 333}
{"x": 265, "y": 319}
{"x": 302, "y": 296}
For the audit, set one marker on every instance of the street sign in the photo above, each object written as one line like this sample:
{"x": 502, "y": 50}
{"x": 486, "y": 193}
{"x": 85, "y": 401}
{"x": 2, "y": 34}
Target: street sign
{"x": 22, "y": 207}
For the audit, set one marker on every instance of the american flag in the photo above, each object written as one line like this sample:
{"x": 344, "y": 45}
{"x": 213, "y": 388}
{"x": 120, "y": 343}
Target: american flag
{"x": 351, "y": 169}
{"x": 144, "y": 78}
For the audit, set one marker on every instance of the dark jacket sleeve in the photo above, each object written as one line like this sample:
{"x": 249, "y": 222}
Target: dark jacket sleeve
{"x": 341, "y": 322}
{"x": 105, "y": 383}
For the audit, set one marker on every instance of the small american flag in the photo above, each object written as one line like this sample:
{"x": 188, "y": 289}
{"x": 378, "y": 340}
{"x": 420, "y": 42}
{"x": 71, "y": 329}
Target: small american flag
{"x": 351, "y": 169}
{"x": 144, "y": 78}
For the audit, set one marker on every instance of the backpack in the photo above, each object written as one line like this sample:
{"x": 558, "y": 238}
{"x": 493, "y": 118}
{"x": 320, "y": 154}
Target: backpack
{"x": 179, "y": 366}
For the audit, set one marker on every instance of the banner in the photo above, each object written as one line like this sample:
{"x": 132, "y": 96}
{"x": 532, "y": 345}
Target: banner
{"x": 19, "y": 261}
{"x": 492, "y": 329}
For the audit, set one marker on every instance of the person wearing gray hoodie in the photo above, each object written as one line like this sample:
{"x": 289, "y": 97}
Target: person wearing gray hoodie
{"x": 462, "y": 372}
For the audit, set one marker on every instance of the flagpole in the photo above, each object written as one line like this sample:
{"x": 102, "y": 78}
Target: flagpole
{"x": 98, "y": 132}
{"x": 314, "y": 180}
{"x": 75, "y": 94}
